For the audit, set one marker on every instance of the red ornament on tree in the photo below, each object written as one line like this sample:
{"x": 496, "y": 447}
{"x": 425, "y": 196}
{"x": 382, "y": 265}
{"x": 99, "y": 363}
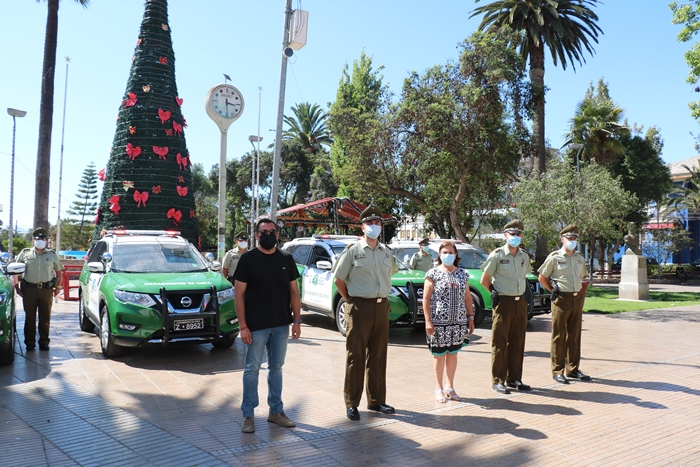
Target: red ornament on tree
{"x": 175, "y": 215}
{"x": 164, "y": 115}
{"x": 178, "y": 100}
{"x": 181, "y": 190}
{"x": 163, "y": 60}
{"x": 160, "y": 151}
{"x": 140, "y": 197}
{"x": 133, "y": 151}
{"x": 177, "y": 127}
{"x": 101, "y": 175}
{"x": 114, "y": 201}
{"x": 182, "y": 162}
{"x": 129, "y": 101}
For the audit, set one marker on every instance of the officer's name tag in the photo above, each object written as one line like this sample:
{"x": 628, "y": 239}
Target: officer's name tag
{"x": 505, "y": 261}
{"x": 360, "y": 256}
{"x": 561, "y": 262}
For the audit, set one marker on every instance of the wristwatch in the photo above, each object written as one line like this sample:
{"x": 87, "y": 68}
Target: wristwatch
{"x": 296, "y": 321}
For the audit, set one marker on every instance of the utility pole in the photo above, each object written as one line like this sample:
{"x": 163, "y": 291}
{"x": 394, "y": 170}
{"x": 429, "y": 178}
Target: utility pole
{"x": 60, "y": 170}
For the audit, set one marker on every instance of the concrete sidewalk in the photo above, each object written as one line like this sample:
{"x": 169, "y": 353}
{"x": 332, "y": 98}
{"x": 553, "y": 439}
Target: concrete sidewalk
{"x": 181, "y": 405}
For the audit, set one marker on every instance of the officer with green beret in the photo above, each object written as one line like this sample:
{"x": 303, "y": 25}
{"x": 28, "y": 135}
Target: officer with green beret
{"x": 508, "y": 266}
{"x": 363, "y": 278}
{"x": 230, "y": 262}
{"x": 566, "y": 268}
{"x": 40, "y": 282}
{"x": 421, "y": 259}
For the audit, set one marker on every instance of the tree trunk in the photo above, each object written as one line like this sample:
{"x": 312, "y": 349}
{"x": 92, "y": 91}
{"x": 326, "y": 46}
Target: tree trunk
{"x": 43, "y": 156}
{"x": 537, "y": 82}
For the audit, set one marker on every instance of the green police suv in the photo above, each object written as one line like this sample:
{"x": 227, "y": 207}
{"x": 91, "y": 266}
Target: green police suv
{"x": 141, "y": 287}
{"x": 315, "y": 257}
{"x": 8, "y": 320}
{"x": 471, "y": 259}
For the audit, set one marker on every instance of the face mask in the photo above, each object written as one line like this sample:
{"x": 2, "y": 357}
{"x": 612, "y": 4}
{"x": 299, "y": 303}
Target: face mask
{"x": 243, "y": 245}
{"x": 40, "y": 244}
{"x": 570, "y": 245}
{"x": 268, "y": 241}
{"x": 513, "y": 241}
{"x": 423, "y": 248}
{"x": 447, "y": 259}
{"x": 373, "y": 231}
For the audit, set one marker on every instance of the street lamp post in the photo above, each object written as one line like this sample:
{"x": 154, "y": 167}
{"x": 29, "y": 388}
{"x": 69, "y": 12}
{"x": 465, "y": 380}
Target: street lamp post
{"x": 60, "y": 170}
{"x": 578, "y": 147}
{"x": 254, "y": 184}
{"x": 15, "y": 115}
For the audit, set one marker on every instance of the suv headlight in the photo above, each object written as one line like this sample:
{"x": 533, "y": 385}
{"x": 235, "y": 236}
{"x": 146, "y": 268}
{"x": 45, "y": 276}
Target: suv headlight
{"x": 140, "y": 299}
{"x": 3, "y": 298}
{"x": 225, "y": 295}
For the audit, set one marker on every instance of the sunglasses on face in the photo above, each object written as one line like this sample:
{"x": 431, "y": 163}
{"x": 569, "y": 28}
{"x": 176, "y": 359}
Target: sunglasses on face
{"x": 267, "y": 232}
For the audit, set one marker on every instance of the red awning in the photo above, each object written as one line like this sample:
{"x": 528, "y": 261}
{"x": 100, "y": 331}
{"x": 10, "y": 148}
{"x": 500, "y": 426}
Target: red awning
{"x": 666, "y": 225}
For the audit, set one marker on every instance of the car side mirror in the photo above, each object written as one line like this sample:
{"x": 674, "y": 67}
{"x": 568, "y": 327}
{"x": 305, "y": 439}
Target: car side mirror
{"x": 4, "y": 257}
{"x": 15, "y": 268}
{"x": 209, "y": 256}
{"x": 106, "y": 258}
{"x": 214, "y": 265}
{"x": 96, "y": 266}
{"x": 324, "y": 265}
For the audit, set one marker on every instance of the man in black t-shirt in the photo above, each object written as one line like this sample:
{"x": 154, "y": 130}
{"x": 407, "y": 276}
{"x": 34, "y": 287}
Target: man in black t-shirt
{"x": 267, "y": 301}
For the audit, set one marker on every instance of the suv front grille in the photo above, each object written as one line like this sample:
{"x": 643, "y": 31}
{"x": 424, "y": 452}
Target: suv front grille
{"x": 188, "y": 302}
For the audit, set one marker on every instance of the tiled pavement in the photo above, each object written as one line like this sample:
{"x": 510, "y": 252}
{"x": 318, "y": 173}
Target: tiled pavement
{"x": 181, "y": 405}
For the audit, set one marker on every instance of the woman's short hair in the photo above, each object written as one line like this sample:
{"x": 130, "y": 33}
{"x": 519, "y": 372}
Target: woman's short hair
{"x": 449, "y": 243}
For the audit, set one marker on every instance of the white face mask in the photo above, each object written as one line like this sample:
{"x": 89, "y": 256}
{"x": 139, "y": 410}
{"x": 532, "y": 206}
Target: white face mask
{"x": 243, "y": 245}
{"x": 373, "y": 231}
{"x": 40, "y": 244}
{"x": 570, "y": 245}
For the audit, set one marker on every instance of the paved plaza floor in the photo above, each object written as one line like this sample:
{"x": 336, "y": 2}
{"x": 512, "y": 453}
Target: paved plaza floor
{"x": 180, "y": 406}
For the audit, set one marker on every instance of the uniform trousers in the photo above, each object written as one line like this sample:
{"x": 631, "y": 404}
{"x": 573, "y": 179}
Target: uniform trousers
{"x": 508, "y": 328}
{"x": 36, "y": 300}
{"x": 567, "y": 312}
{"x": 367, "y": 338}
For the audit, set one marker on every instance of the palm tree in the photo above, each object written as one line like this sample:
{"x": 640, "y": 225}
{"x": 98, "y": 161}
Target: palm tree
{"x": 43, "y": 156}
{"x": 596, "y": 125}
{"x": 566, "y": 27}
{"x": 686, "y": 196}
{"x": 309, "y": 127}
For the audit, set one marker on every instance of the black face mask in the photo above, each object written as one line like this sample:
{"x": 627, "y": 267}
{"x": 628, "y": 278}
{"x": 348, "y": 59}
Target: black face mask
{"x": 268, "y": 241}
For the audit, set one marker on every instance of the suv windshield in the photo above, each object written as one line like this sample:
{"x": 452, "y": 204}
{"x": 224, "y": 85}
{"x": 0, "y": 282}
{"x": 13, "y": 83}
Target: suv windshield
{"x": 156, "y": 258}
{"x": 469, "y": 258}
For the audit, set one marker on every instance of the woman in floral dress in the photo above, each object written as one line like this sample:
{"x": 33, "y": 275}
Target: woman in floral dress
{"x": 448, "y": 324}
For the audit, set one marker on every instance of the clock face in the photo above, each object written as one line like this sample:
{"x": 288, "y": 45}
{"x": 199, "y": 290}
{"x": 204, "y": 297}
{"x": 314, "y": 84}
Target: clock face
{"x": 227, "y": 102}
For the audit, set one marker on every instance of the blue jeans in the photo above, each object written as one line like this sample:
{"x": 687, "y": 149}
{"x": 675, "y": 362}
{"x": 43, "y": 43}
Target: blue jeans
{"x": 274, "y": 341}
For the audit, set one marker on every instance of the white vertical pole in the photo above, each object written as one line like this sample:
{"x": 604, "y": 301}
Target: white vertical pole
{"x": 222, "y": 196}
{"x": 60, "y": 170}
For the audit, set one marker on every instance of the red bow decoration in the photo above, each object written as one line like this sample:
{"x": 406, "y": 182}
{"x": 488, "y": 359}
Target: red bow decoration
{"x": 114, "y": 201}
{"x": 101, "y": 175}
{"x": 156, "y": 189}
{"x": 169, "y": 132}
{"x": 160, "y": 151}
{"x": 130, "y": 101}
{"x": 140, "y": 197}
{"x": 181, "y": 161}
{"x": 177, "y": 127}
{"x": 133, "y": 151}
{"x": 191, "y": 212}
{"x": 181, "y": 179}
{"x": 163, "y": 60}
{"x": 132, "y": 130}
{"x": 164, "y": 115}
{"x": 178, "y": 100}
{"x": 176, "y": 216}
{"x": 181, "y": 190}
{"x": 138, "y": 42}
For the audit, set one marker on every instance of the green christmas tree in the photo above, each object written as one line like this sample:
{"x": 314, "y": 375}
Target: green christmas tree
{"x": 148, "y": 179}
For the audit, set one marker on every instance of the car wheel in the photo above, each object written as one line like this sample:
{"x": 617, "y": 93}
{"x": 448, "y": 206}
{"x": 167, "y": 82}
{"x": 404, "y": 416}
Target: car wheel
{"x": 224, "y": 342}
{"x": 85, "y": 324}
{"x": 340, "y": 316}
{"x": 109, "y": 348}
{"x": 479, "y": 314}
{"x": 7, "y": 352}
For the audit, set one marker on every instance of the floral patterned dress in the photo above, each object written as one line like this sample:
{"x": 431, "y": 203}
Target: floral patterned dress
{"x": 448, "y": 312}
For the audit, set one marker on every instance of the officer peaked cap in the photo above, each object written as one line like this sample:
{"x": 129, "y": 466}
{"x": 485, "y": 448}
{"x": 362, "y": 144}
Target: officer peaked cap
{"x": 516, "y": 225}
{"x": 40, "y": 232}
{"x": 371, "y": 213}
{"x": 425, "y": 241}
{"x": 570, "y": 230}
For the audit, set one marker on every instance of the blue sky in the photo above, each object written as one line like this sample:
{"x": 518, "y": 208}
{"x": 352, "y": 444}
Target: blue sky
{"x": 638, "y": 55}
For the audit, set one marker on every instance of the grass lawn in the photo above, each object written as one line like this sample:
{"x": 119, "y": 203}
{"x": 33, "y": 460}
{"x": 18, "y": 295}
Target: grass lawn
{"x": 602, "y": 300}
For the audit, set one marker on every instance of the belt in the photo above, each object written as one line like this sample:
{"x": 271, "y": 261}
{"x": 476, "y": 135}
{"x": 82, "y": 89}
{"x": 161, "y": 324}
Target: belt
{"x": 372, "y": 300}
{"x": 40, "y": 285}
{"x": 569, "y": 293}
{"x": 512, "y": 297}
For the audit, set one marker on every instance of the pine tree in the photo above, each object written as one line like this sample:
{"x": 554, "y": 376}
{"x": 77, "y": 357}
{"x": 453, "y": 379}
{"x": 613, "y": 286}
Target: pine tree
{"x": 148, "y": 181}
{"x": 85, "y": 205}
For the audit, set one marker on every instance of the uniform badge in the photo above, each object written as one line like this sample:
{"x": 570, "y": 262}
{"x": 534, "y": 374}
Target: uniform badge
{"x": 360, "y": 256}
{"x": 505, "y": 261}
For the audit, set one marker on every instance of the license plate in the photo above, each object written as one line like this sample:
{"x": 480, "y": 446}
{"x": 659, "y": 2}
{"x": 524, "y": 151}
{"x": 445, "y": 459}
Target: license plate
{"x": 188, "y": 324}
{"x": 537, "y": 302}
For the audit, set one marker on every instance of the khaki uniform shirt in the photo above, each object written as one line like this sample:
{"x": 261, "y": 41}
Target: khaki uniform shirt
{"x": 567, "y": 271}
{"x": 508, "y": 271}
{"x": 366, "y": 272}
{"x": 40, "y": 267}
{"x": 421, "y": 262}
{"x": 231, "y": 261}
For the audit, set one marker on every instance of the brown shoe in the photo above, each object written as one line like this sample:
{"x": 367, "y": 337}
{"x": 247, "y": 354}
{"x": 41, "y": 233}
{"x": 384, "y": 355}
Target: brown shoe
{"x": 280, "y": 419}
{"x": 248, "y": 425}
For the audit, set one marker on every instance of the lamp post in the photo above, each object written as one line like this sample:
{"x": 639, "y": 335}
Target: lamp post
{"x": 60, "y": 170}
{"x": 254, "y": 184}
{"x": 15, "y": 115}
{"x": 578, "y": 147}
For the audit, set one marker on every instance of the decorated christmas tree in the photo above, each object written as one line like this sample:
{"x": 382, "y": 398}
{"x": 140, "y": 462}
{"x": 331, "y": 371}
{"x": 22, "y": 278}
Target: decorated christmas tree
{"x": 148, "y": 181}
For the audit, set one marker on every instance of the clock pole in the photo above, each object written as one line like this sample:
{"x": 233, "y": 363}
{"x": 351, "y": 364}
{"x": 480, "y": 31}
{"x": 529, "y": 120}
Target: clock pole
{"x": 221, "y": 248}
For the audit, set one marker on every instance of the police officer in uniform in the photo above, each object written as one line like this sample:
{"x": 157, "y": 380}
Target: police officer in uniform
{"x": 230, "y": 262}
{"x": 40, "y": 282}
{"x": 508, "y": 266}
{"x": 421, "y": 259}
{"x": 363, "y": 278}
{"x": 567, "y": 269}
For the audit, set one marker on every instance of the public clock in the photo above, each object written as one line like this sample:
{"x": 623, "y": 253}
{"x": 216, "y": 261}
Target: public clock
{"x": 224, "y": 104}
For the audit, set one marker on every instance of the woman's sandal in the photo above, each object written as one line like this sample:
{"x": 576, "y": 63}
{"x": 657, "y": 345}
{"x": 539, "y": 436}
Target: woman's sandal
{"x": 451, "y": 394}
{"x": 440, "y": 396}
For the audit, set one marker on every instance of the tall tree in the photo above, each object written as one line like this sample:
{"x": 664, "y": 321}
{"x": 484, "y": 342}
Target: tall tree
{"x": 687, "y": 14}
{"x": 684, "y": 199}
{"x": 85, "y": 206}
{"x": 565, "y": 27}
{"x": 148, "y": 183}
{"x": 43, "y": 156}
{"x": 308, "y": 127}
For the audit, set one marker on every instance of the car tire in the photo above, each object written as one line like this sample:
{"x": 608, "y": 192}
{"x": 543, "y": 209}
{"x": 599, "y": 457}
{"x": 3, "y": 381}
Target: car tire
{"x": 85, "y": 324}
{"x": 224, "y": 342}
{"x": 340, "y": 316}
{"x": 478, "y": 308}
{"x": 7, "y": 352}
{"x": 109, "y": 348}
